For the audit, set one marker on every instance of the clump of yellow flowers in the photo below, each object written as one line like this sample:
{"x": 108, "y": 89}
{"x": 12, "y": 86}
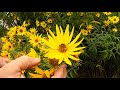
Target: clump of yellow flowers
{"x": 53, "y": 49}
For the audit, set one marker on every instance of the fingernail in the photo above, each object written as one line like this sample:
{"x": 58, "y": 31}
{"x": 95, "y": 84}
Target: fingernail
{"x": 37, "y": 59}
{"x": 64, "y": 66}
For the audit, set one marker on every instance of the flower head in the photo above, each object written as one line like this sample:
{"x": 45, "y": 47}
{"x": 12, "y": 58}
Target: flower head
{"x": 61, "y": 47}
{"x": 114, "y": 29}
{"x": 114, "y": 19}
{"x": 7, "y": 46}
{"x": 35, "y": 40}
{"x": 33, "y": 31}
{"x": 97, "y": 14}
{"x": 37, "y": 23}
{"x": 43, "y": 24}
{"x": 107, "y": 13}
{"x": 21, "y": 30}
{"x": 49, "y": 20}
{"x": 5, "y": 54}
{"x": 84, "y": 32}
{"x": 69, "y": 13}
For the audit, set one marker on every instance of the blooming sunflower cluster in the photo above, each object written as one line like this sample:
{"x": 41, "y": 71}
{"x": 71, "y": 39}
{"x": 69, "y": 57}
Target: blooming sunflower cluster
{"x": 55, "y": 48}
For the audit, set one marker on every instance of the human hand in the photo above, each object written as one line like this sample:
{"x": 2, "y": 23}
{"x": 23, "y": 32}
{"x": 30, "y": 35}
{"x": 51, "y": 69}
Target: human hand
{"x": 3, "y": 61}
{"x": 14, "y": 68}
{"x": 61, "y": 72}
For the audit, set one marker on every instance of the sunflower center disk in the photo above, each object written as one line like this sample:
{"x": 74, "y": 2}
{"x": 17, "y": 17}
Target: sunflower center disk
{"x": 21, "y": 30}
{"x": 36, "y": 40}
{"x": 62, "y": 48}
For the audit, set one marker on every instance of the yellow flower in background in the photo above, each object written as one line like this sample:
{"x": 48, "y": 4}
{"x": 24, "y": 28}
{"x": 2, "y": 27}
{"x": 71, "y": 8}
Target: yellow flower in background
{"x": 97, "y": 14}
{"x": 18, "y": 18}
{"x": 107, "y": 13}
{"x": 106, "y": 22}
{"x": 28, "y": 34}
{"x": 7, "y": 46}
{"x": 35, "y": 75}
{"x": 21, "y": 30}
{"x": 4, "y": 39}
{"x": 49, "y": 20}
{"x": 33, "y": 53}
{"x": 37, "y": 23}
{"x": 114, "y": 19}
{"x": 12, "y": 32}
{"x": 89, "y": 27}
{"x": 33, "y": 31}
{"x": 35, "y": 40}
{"x": 42, "y": 73}
{"x": 114, "y": 29}
{"x": 61, "y": 47}
{"x": 5, "y": 54}
{"x": 81, "y": 13}
{"x": 84, "y": 32}
{"x": 69, "y": 13}
{"x": 43, "y": 24}
{"x": 25, "y": 24}
{"x": 11, "y": 14}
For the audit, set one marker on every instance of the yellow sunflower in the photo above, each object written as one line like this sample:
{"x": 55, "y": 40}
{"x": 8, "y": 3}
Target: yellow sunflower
{"x": 25, "y": 24}
{"x": 33, "y": 31}
{"x": 107, "y": 13}
{"x": 7, "y": 46}
{"x": 114, "y": 29}
{"x": 5, "y": 54}
{"x": 61, "y": 47}
{"x": 4, "y": 39}
{"x": 114, "y": 19}
{"x": 21, "y": 30}
{"x": 84, "y": 32}
{"x": 43, "y": 24}
{"x": 37, "y": 23}
{"x": 97, "y": 14}
{"x": 42, "y": 73}
{"x": 35, "y": 40}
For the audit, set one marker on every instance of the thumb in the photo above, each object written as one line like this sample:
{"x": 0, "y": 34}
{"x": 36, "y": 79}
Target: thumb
{"x": 61, "y": 72}
{"x": 25, "y": 62}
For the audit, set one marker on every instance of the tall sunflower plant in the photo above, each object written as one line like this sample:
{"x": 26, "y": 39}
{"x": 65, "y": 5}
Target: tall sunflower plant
{"x": 53, "y": 49}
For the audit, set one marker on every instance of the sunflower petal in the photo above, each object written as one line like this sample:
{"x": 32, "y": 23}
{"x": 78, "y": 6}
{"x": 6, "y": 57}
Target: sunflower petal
{"x": 38, "y": 70}
{"x": 60, "y": 60}
{"x": 67, "y": 60}
{"x": 57, "y": 30}
{"x": 77, "y": 37}
{"x": 75, "y": 53}
{"x": 66, "y": 35}
{"x": 61, "y": 30}
{"x": 35, "y": 75}
{"x": 47, "y": 73}
{"x": 71, "y": 35}
{"x": 73, "y": 58}
{"x": 52, "y": 34}
{"x": 76, "y": 49}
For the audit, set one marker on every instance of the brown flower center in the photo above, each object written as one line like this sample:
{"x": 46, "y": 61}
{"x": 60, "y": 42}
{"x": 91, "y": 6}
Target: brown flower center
{"x": 62, "y": 48}
{"x": 114, "y": 20}
{"x": 21, "y": 30}
{"x": 9, "y": 46}
{"x": 36, "y": 40}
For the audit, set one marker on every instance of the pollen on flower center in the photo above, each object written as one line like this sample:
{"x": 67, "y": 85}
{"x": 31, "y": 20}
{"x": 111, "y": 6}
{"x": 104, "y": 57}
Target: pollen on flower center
{"x": 9, "y": 46}
{"x": 36, "y": 40}
{"x": 62, "y": 48}
{"x": 21, "y": 30}
{"x": 114, "y": 19}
